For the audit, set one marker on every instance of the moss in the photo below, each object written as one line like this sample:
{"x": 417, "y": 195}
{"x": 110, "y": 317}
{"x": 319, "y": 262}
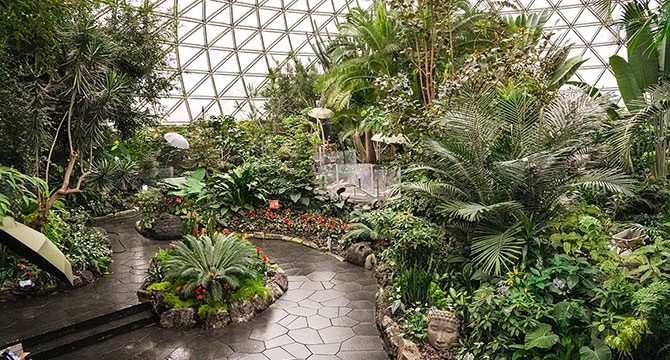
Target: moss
{"x": 176, "y": 302}
{"x": 249, "y": 288}
{"x": 161, "y": 286}
{"x": 210, "y": 310}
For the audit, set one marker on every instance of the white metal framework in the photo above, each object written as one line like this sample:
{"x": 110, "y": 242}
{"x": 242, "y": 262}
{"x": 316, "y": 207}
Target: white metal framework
{"x": 223, "y": 48}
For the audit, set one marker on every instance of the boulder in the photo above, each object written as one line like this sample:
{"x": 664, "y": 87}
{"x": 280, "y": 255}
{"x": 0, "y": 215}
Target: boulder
{"x": 357, "y": 253}
{"x": 167, "y": 227}
{"x": 276, "y": 290}
{"x": 144, "y": 296}
{"x": 408, "y": 350}
{"x": 158, "y": 305}
{"x": 391, "y": 336}
{"x": 218, "y": 321}
{"x": 242, "y": 311}
{"x": 178, "y": 318}
{"x": 87, "y": 276}
{"x": 261, "y": 302}
{"x": 281, "y": 279}
{"x": 370, "y": 262}
{"x": 77, "y": 281}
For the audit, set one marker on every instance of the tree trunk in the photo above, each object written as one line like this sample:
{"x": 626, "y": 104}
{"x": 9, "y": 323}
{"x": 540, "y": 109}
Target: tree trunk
{"x": 370, "y": 155}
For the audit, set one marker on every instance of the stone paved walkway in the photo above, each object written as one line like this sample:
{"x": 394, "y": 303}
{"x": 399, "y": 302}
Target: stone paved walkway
{"x": 327, "y": 313}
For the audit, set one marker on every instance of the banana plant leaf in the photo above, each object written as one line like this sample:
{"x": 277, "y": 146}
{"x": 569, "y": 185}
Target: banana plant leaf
{"x": 35, "y": 247}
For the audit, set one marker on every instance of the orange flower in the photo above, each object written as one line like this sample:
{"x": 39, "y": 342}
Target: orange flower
{"x": 483, "y": 295}
{"x": 510, "y": 275}
{"x": 516, "y": 271}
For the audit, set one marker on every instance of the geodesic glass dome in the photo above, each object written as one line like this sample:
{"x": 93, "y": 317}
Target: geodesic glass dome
{"x": 224, "y": 47}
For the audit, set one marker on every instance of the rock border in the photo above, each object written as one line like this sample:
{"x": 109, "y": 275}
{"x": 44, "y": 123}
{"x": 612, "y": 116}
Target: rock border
{"x": 239, "y": 311}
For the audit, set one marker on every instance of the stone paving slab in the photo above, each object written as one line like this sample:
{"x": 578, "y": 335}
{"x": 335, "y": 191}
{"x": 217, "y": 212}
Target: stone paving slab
{"x": 327, "y": 313}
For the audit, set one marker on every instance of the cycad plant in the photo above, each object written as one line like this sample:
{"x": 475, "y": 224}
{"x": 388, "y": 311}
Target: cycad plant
{"x": 217, "y": 263}
{"x": 503, "y": 167}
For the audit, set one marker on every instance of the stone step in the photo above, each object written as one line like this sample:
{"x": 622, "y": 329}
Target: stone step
{"x": 79, "y": 335}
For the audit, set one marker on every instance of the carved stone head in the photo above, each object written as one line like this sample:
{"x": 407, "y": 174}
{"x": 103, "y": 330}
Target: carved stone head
{"x": 442, "y": 329}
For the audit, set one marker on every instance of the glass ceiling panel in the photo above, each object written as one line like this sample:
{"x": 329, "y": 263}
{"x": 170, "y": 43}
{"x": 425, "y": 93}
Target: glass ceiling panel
{"x": 224, "y": 47}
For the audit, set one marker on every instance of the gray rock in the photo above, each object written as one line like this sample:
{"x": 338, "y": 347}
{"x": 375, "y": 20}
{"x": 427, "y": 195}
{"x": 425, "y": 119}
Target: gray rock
{"x": 87, "y": 276}
{"x": 408, "y": 351}
{"x": 357, "y": 253}
{"x": 261, "y": 302}
{"x": 158, "y": 305}
{"x": 241, "y": 311}
{"x": 370, "y": 262}
{"x": 218, "y": 321}
{"x": 391, "y": 336}
{"x": 276, "y": 290}
{"x": 144, "y": 296}
{"x": 167, "y": 227}
{"x": 77, "y": 281}
{"x": 178, "y": 318}
{"x": 281, "y": 279}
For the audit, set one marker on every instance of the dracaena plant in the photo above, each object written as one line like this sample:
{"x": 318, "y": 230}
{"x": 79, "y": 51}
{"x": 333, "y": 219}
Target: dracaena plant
{"x": 214, "y": 263}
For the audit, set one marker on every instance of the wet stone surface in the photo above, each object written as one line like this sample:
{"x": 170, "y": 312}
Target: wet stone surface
{"x": 327, "y": 312}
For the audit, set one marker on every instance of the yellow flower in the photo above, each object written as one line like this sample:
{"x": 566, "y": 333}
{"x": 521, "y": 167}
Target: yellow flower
{"x": 510, "y": 275}
{"x": 495, "y": 340}
{"x": 477, "y": 321}
{"x": 525, "y": 276}
{"x": 516, "y": 271}
{"x": 245, "y": 236}
{"x": 525, "y": 290}
{"x": 486, "y": 317}
{"x": 538, "y": 308}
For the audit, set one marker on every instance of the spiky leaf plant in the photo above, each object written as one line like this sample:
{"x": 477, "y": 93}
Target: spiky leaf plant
{"x": 502, "y": 162}
{"x": 212, "y": 263}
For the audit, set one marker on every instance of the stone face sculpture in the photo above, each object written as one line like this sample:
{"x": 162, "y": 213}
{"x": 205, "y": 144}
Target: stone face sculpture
{"x": 442, "y": 329}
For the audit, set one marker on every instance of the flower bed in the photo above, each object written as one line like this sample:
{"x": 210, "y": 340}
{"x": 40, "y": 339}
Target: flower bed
{"x": 323, "y": 231}
{"x": 211, "y": 282}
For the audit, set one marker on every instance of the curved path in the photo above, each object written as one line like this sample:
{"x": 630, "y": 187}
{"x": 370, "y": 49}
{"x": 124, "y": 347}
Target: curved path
{"x": 327, "y": 313}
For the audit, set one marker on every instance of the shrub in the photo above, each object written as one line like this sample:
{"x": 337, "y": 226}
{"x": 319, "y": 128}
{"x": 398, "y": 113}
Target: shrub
{"x": 150, "y": 202}
{"x": 213, "y": 264}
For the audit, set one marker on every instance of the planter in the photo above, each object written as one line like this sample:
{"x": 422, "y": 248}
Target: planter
{"x": 629, "y": 239}
{"x": 239, "y": 311}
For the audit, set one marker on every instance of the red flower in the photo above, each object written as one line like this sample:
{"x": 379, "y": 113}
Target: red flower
{"x": 200, "y": 297}
{"x": 379, "y": 243}
{"x": 179, "y": 288}
{"x": 258, "y": 250}
{"x": 22, "y": 266}
{"x": 405, "y": 246}
{"x": 233, "y": 235}
{"x": 196, "y": 231}
{"x": 29, "y": 273}
{"x": 265, "y": 258}
{"x": 178, "y": 200}
{"x": 225, "y": 231}
{"x": 204, "y": 291}
{"x": 226, "y": 286}
{"x": 355, "y": 227}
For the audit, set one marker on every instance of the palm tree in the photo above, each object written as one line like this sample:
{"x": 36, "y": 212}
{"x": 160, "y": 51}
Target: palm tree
{"x": 504, "y": 165}
{"x": 365, "y": 49}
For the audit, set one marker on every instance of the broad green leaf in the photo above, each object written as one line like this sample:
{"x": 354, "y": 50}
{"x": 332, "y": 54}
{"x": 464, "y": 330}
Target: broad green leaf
{"x": 600, "y": 352}
{"x": 565, "y": 71}
{"x": 628, "y": 86}
{"x": 295, "y": 197}
{"x": 541, "y": 337}
{"x": 643, "y": 60}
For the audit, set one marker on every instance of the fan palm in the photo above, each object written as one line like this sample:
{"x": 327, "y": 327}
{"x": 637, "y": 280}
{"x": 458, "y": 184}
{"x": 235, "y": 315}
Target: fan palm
{"x": 502, "y": 163}
{"x": 212, "y": 263}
